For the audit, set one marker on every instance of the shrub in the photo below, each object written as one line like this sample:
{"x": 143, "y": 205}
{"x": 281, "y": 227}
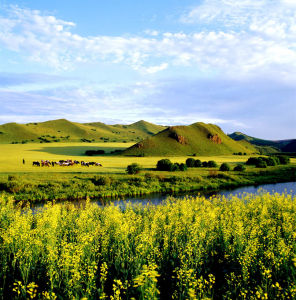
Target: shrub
{"x": 149, "y": 176}
{"x": 190, "y": 162}
{"x": 212, "y": 164}
{"x": 101, "y": 180}
{"x": 225, "y": 167}
{"x": 197, "y": 163}
{"x": 239, "y": 167}
{"x": 284, "y": 160}
{"x": 94, "y": 152}
{"x": 271, "y": 161}
{"x": 261, "y": 164}
{"x": 204, "y": 164}
{"x": 164, "y": 165}
{"x": 252, "y": 161}
{"x": 183, "y": 167}
{"x": 175, "y": 167}
{"x": 134, "y": 168}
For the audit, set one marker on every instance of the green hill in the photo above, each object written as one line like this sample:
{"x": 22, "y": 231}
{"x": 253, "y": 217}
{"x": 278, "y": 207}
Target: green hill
{"x": 291, "y": 147}
{"x": 266, "y": 146}
{"x": 65, "y": 131}
{"x": 198, "y": 138}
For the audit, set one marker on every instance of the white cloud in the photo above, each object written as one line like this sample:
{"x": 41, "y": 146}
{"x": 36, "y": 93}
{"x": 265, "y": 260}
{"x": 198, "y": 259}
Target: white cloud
{"x": 264, "y": 42}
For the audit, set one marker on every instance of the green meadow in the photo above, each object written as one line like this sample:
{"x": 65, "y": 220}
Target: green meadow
{"x": 12, "y": 155}
{"x": 38, "y": 184}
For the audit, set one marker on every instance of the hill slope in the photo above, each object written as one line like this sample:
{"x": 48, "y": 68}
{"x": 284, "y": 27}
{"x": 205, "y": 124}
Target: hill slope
{"x": 198, "y": 138}
{"x": 268, "y": 145}
{"x": 65, "y": 131}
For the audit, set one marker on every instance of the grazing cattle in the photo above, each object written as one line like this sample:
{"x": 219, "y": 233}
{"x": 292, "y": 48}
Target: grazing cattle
{"x": 62, "y": 162}
{"x": 45, "y": 163}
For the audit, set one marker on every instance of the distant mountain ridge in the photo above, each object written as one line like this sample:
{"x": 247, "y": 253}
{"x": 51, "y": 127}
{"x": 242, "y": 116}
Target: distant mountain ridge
{"x": 195, "y": 139}
{"x": 62, "y": 130}
{"x": 279, "y": 145}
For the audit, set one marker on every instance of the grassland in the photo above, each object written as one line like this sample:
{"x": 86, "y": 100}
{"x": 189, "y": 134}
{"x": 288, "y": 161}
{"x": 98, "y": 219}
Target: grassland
{"x": 65, "y": 131}
{"x": 198, "y": 138}
{"x": 191, "y": 249}
{"x": 12, "y": 155}
{"x": 39, "y": 184}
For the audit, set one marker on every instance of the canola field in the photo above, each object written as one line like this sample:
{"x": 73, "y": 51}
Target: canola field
{"x": 196, "y": 248}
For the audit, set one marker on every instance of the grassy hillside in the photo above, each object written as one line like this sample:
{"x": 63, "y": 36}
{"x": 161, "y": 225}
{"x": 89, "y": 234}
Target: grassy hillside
{"x": 198, "y": 139}
{"x": 266, "y": 146}
{"x": 291, "y": 147}
{"x": 65, "y": 131}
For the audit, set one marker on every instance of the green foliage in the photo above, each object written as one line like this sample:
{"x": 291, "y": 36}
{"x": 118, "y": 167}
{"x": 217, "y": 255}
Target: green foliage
{"x": 204, "y": 164}
{"x": 134, "y": 168}
{"x": 94, "y": 152}
{"x": 284, "y": 160}
{"x": 167, "y": 165}
{"x": 224, "y": 167}
{"x": 197, "y": 163}
{"x": 239, "y": 167}
{"x": 183, "y": 167}
{"x": 261, "y": 164}
{"x": 273, "y": 160}
{"x": 190, "y": 162}
{"x": 101, "y": 180}
{"x": 212, "y": 164}
{"x": 164, "y": 165}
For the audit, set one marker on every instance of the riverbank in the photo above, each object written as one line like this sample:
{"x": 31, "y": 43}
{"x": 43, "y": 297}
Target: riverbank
{"x": 36, "y": 188}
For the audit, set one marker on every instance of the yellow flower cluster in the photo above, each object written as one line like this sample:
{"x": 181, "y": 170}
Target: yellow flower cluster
{"x": 195, "y": 248}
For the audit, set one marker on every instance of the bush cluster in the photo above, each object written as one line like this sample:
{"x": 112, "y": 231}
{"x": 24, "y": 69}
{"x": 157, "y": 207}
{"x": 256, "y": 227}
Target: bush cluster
{"x": 196, "y": 163}
{"x": 167, "y": 165}
{"x": 94, "y": 152}
{"x": 133, "y": 169}
{"x": 225, "y": 167}
{"x": 263, "y": 162}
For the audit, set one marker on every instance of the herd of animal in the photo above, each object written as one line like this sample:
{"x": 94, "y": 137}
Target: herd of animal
{"x": 64, "y": 163}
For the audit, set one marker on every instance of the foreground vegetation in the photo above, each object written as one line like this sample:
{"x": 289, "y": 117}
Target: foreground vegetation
{"x": 38, "y": 187}
{"x": 190, "y": 249}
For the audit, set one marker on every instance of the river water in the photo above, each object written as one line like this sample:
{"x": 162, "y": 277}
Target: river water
{"x": 156, "y": 199}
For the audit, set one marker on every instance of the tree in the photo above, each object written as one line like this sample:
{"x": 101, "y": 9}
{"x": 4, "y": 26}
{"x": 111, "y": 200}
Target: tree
{"x": 197, "y": 163}
{"x": 212, "y": 164}
{"x": 204, "y": 164}
{"x": 284, "y": 160}
{"x": 134, "y": 168}
{"x": 183, "y": 167}
{"x": 190, "y": 162}
{"x": 261, "y": 164}
{"x": 164, "y": 165}
{"x": 239, "y": 167}
{"x": 225, "y": 167}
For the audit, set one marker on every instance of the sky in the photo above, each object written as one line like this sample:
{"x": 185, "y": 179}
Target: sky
{"x": 170, "y": 62}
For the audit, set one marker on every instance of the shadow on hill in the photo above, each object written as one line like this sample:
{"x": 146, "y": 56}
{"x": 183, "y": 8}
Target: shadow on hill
{"x": 75, "y": 150}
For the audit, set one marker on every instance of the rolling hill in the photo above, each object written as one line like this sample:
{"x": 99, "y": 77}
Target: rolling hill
{"x": 197, "y": 138}
{"x": 268, "y": 146}
{"x": 65, "y": 131}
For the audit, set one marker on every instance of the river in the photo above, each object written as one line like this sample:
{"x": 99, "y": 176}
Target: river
{"x": 156, "y": 199}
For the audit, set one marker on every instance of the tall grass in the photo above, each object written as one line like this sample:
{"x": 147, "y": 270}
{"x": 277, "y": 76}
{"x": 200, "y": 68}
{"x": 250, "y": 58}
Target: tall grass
{"x": 190, "y": 249}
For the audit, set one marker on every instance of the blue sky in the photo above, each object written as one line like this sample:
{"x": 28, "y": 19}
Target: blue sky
{"x": 228, "y": 62}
